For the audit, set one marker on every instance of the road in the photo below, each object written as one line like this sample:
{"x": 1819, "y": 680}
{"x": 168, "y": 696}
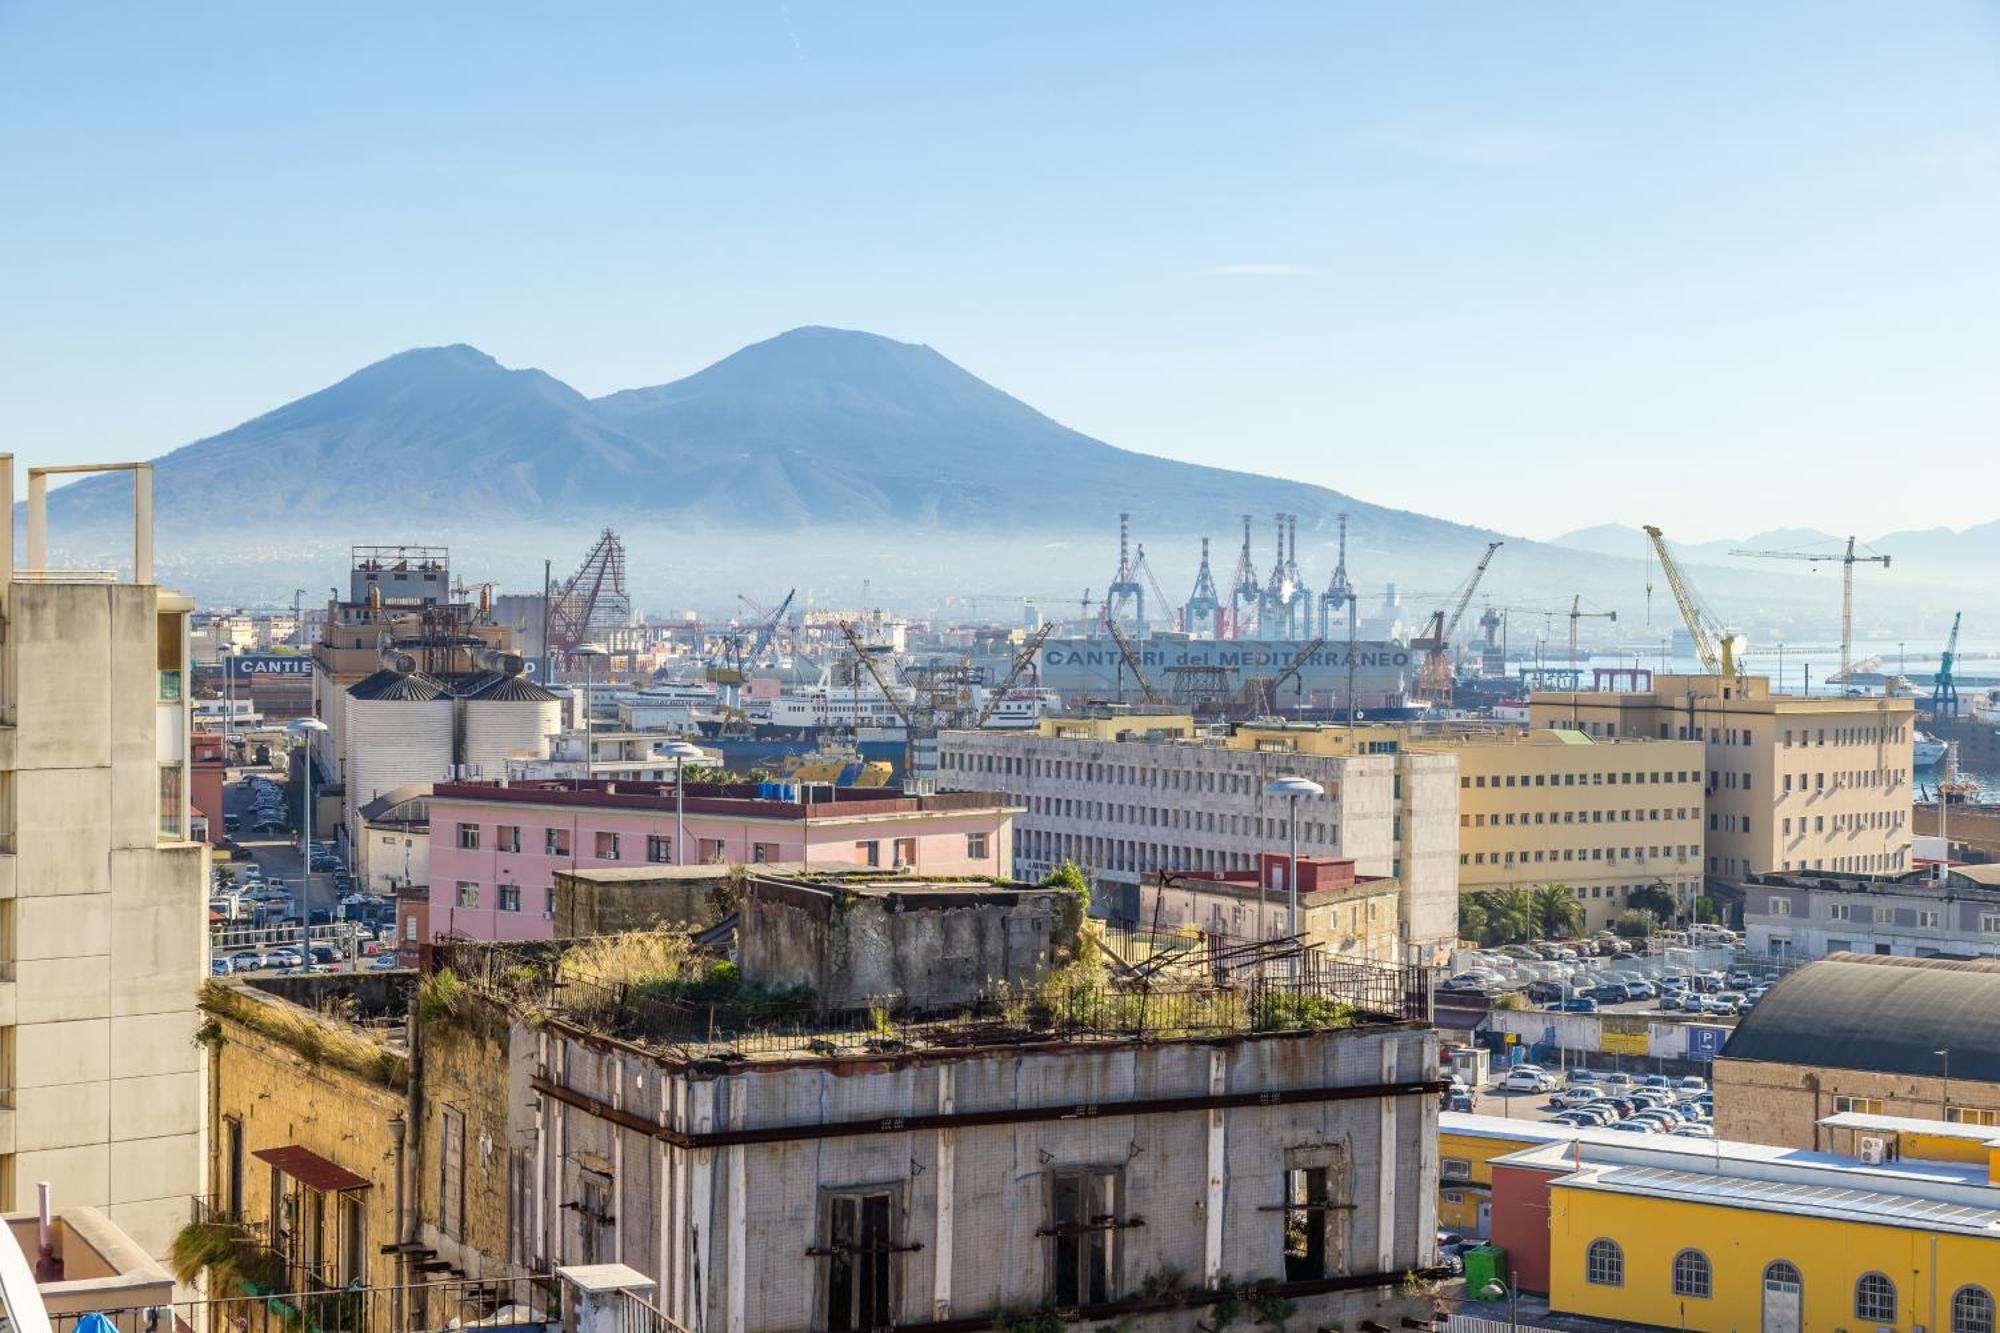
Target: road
{"x": 277, "y": 857}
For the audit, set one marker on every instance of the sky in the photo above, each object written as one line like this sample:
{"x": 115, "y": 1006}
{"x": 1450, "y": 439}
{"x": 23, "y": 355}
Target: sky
{"x": 1723, "y": 267}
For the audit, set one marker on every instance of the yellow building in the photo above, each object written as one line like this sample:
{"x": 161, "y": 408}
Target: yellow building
{"x": 1792, "y": 783}
{"x": 1721, "y": 1237}
{"x": 1600, "y": 815}
{"x": 1467, "y": 1145}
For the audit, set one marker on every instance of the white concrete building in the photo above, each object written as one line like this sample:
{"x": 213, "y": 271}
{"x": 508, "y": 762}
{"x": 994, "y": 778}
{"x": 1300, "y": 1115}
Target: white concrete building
{"x": 1129, "y": 795}
{"x": 103, "y": 938}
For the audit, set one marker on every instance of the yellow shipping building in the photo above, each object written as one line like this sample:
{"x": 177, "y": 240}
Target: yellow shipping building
{"x": 1728, "y": 1237}
{"x": 1599, "y": 815}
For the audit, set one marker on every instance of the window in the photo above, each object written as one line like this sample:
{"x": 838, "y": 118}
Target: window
{"x": 173, "y": 827}
{"x": 468, "y": 893}
{"x": 975, "y": 846}
{"x": 659, "y": 849}
{"x": 1858, "y": 1105}
{"x": 1875, "y": 1299}
{"x": 607, "y": 846}
{"x": 233, "y": 1182}
{"x": 1604, "y": 1264}
{"x": 1691, "y": 1274}
{"x": 555, "y": 842}
{"x": 763, "y": 853}
{"x": 468, "y": 837}
{"x": 451, "y": 1172}
{"x": 507, "y": 837}
{"x": 1307, "y": 1203}
{"x": 1840, "y": 912}
{"x": 868, "y": 853}
{"x": 1971, "y": 1115}
{"x": 353, "y": 1240}
{"x": 510, "y": 897}
{"x": 906, "y": 852}
{"x": 1989, "y": 923}
{"x": 1083, "y": 1232}
{"x": 1781, "y": 906}
{"x": 1972, "y": 1310}
{"x": 712, "y": 851}
{"x": 857, "y": 1251}
{"x": 1929, "y": 919}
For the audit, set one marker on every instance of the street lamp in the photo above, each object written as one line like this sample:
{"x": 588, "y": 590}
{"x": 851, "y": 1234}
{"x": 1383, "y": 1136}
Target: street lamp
{"x": 1292, "y": 788}
{"x": 1944, "y": 1097}
{"x": 680, "y": 752}
{"x": 1495, "y": 1290}
{"x": 306, "y": 728}
{"x": 588, "y": 652}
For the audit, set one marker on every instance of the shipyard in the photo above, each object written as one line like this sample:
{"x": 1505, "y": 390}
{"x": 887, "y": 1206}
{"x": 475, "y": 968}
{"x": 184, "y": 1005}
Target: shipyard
{"x": 976, "y": 669}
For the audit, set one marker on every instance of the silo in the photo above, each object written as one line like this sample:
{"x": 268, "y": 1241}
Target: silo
{"x": 507, "y": 716}
{"x": 399, "y": 726}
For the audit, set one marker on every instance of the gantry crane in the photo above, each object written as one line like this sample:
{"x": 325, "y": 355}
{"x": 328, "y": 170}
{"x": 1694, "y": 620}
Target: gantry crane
{"x": 1717, "y": 661}
{"x": 1259, "y": 696}
{"x": 1944, "y": 688}
{"x": 1434, "y": 682}
{"x": 1848, "y": 560}
{"x": 768, "y": 622}
{"x": 1576, "y": 613}
{"x": 1022, "y": 661}
{"x": 1147, "y": 695}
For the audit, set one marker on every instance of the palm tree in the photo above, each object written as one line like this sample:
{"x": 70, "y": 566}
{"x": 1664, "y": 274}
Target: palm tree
{"x": 1472, "y": 919}
{"x": 1557, "y": 911}
{"x": 1508, "y": 914}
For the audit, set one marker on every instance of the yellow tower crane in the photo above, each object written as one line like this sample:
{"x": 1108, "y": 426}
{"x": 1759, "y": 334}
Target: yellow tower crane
{"x": 1715, "y": 647}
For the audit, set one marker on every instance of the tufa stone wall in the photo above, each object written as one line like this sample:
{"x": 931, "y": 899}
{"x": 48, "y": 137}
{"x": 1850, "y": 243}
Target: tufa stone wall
{"x": 1759, "y": 1101}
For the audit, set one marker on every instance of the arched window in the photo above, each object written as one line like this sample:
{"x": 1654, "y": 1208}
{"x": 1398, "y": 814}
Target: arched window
{"x": 1691, "y": 1274}
{"x": 1781, "y": 1276}
{"x": 1972, "y": 1311}
{"x": 1604, "y": 1264}
{"x": 1875, "y": 1299}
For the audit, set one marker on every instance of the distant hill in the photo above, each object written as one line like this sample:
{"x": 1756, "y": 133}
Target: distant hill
{"x": 818, "y": 453}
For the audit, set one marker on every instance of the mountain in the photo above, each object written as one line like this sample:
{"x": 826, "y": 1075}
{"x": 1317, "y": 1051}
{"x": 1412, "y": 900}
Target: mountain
{"x": 820, "y": 454}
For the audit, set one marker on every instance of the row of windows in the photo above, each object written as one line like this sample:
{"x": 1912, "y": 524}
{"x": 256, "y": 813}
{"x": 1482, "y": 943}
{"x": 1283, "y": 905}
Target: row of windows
{"x": 1874, "y": 1293}
{"x": 1574, "y": 779}
{"x": 1163, "y": 778}
{"x": 1849, "y": 736}
{"x": 1509, "y": 819}
{"x": 1320, "y": 832}
{"x": 1525, "y": 857}
{"x": 1853, "y": 821}
{"x": 1842, "y": 781}
{"x": 1864, "y": 863}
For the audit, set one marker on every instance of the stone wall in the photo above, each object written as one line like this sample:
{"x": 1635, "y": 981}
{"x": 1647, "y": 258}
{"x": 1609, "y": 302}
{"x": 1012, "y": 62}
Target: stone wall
{"x": 1780, "y": 1104}
{"x": 607, "y": 902}
{"x": 465, "y": 1086}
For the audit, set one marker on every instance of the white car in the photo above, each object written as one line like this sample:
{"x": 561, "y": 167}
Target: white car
{"x": 1527, "y": 1080}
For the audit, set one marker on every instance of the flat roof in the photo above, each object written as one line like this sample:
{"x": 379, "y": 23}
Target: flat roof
{"x": 1902, "y": 1124}
{"x": 1830, "y": 1201}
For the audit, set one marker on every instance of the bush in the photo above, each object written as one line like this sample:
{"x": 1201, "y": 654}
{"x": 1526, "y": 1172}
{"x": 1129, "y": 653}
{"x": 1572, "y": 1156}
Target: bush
{"x": 1633, "y": 924}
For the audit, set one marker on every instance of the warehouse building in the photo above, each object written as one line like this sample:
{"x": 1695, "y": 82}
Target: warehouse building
{"x": 1870, "y": 1034}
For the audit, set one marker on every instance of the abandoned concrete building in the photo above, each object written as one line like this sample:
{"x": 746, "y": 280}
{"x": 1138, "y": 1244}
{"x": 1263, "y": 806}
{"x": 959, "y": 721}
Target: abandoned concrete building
{"x": 932, "y": 1105}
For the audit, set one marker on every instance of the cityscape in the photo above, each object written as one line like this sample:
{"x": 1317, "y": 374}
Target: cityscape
{"x": 813, "y": 844}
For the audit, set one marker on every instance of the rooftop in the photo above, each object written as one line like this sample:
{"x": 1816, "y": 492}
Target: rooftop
{"x": 1890, "y": 1015}
{"x": 740, "y": 799}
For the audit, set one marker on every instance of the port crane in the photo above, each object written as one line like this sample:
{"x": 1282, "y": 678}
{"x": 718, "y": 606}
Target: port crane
{"x": 1576, "y": 613}
{"x": 768, "y": 623}
{"x": 1434, "y": 682}
{"x": 1716, "y": 649}
{"x": 1260, "y": 695}
{"x": 1944, "y": 687}
{"x": 1147, "y": 695}
{"x": 1848, "y": 560}
{"x": 1023, "y": 661}
{"x": 593, "y": 598}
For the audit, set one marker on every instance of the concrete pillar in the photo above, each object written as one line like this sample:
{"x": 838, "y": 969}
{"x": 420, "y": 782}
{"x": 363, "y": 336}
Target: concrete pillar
{"x": 594, "y": 1296}
{"x": 6, "y": 521}
{"x": 142, "y": 523}
{"x": 38, "y": 519}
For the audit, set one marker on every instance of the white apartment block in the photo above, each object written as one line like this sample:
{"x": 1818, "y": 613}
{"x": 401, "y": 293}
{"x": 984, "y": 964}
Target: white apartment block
{"x": 103, "y": 921}
{"x": 1121, "y": 801}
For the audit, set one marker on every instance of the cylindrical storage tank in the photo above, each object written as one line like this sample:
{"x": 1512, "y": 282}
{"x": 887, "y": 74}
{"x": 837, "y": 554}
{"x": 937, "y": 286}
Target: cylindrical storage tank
{"x": 510, "y": 717}
{"x": 398, "y": 732}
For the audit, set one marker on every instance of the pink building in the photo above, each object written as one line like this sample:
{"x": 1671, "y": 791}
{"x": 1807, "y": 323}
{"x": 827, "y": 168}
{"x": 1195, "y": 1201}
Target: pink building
{"x": 496, "y": 846}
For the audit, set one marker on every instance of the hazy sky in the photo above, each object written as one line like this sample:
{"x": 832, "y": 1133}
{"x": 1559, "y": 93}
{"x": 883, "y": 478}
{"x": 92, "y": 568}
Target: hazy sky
{"x": 1722, "y": 266}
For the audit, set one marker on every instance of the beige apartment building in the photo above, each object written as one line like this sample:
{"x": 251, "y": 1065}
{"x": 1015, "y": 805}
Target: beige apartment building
{"x": 1599, "y": 816}
{"x": 1790, "y": 783}
{"x": 103, "y": 937}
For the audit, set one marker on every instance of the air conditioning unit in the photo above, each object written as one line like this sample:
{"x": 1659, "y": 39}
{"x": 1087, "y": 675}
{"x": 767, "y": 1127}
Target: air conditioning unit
{"x": 1455, "y": 1170}
{"x": 549, "y": 914}
{"x": 1874, "y": 1151}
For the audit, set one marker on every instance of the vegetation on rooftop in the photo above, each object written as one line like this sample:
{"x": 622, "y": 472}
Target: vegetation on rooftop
{"x": 317, "y": 1041}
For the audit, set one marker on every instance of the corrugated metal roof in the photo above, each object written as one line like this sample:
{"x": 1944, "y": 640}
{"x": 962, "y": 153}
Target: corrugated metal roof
{"x": 311, "y": 1170}
{"x": 500, "y": 688}
{"x": 1796, "y": 1197}
{"x": 1887, "y": 1015}
{"x": 394, "y": 686}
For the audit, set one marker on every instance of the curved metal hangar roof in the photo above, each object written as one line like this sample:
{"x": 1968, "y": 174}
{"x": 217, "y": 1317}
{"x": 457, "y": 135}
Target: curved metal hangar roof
{"x": 1888, "y": 1015}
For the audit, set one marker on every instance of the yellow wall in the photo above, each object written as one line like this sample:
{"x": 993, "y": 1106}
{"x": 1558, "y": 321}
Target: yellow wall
{"x": 1830, "y": 1255}
{"x": 1477, "y": 1150}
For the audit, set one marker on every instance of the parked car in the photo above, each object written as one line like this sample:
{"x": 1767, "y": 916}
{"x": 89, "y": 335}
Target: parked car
{"x": 1617, "y": 1081}
{"x": 1636, "y": 1127}
{"x": 1581, "y": 1076}
{"x": 1692, "y": 1087}
{"x": 1660, "y": 1081}
{"x": 1610, "y": 992}
{"x": 285, "y": 957}
{"x": 1638, "y": 988}
{"x": 219, "y": 967}
{"x": 1692, "y": 1132}
{"x": 1544, "y": 992}
{"x": 1527, "y": 1080}
{"x": 1571, "y": 1098}
{"x": 247, "y": 961}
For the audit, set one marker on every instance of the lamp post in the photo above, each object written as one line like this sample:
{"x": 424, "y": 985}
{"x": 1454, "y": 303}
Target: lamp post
{"x": 306, "y": 728}
{"x": 589, "y": 652}
{"x": 1944, "y": 1097}
{"x": 1493, "y": 1291}
{"x": 1292, "y": 788}
{"x": 680, "y": 752}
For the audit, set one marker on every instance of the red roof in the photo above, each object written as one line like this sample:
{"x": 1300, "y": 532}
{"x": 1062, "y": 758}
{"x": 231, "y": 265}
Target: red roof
{"x": 311, "y": 1170}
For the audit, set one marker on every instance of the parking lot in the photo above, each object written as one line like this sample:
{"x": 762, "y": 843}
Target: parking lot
{"x": 1687, "y": 1096}
{"x": 1712, "y": 983}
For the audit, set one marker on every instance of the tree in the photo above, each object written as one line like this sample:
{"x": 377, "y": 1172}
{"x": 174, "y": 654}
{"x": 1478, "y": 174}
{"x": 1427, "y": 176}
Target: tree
{"x": 1557, "y": 912}
{"x": 1654, "y": 898}
{"x": 1472, "y": 919}
{"x": 1509, "y": 915}
{"x": 1635, "y": 924}
{"x": 1706, "y": 910}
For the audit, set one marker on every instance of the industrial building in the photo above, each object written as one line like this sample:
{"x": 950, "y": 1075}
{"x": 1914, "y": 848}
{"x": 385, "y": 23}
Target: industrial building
{"x": 945, "y": 1157}
{"x": 1792, "y": 783}
{"x": 1128, "y": 794}
{"x": 1346, "y": 915}
{"x": 102, "y": 889}
{"x": 1600, "y": 816}
{"x": 497, "y": 846}
{"x": 1876, "y": 1035}
{"x": 1796, "y": 916}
